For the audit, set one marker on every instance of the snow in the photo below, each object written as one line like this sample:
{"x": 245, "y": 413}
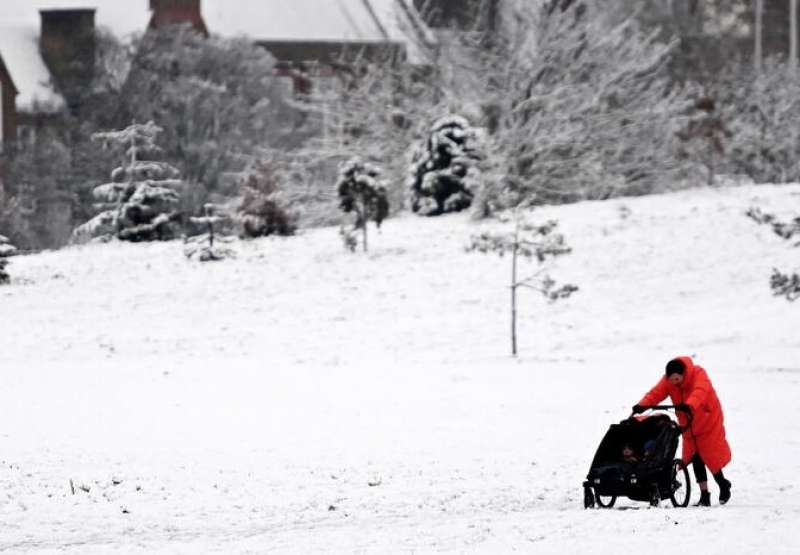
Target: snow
{"x": 303, "y": 398}
{"x": 19, "y": 49}
{"x": 312, "y": 20}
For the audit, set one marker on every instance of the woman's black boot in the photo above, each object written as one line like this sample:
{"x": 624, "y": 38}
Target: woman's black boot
{"x": 724, "y": 492}
{"x": 705, "y": 499}
{"x": 724, "y": 487}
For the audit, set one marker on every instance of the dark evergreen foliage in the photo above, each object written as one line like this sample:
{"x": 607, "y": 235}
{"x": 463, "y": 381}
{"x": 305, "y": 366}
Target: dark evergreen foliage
{"x": 782, "y": 284}
{"x": 443, "y": 172}
{"x": 363, "y": 194}
{"x": 6, "y": 250}
{"x": 140, "y": 203}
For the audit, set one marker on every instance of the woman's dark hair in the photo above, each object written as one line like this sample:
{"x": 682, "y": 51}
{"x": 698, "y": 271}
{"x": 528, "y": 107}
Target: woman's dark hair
{"x": 675, "y": 366}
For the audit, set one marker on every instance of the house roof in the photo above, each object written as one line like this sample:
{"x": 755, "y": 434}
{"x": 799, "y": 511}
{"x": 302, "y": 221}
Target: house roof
{"x": 368, "y": 21}
{"x": 315, "y": 20}
{"x": 19, "y": 49}
{"x": 268, "y": 20}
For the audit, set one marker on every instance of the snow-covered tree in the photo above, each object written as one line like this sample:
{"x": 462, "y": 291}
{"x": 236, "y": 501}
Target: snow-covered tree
{"x": 6, "y": 250}
{"x": 209, "y": 245}
{"x": 783, "y": 284}
{"x": 35, "y": 212}
{"x": 530, "y": 241}
{"x": 141, "y": 202}
{"x": 578, "y": 102}
{"x": 217, "y": 99}
{"x": 704, "y": 135}
{"x": 363, "y": 194}
{"x": 264, "y": 206}
{"x": 762, "y": 112}
{"x": 444, "y": 173}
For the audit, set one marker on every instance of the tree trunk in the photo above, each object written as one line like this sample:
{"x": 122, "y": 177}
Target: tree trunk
{"x": 793, "y": 36}
{"x": 758, "y": 54}
{"x": 364, "y": 222}
{"x": 514, "y": 292}
{"x": 710, "y": 162}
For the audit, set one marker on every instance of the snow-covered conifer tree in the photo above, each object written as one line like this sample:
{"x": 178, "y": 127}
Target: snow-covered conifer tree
{"x": 6, "y": 250}
{"x": 444, "y": 173}
{"x": 362, "y": 193}
{"x": 531, "y": 241}
{"x": 141, "y": 202}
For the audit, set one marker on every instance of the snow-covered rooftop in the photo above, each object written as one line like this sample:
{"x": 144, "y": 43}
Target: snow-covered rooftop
{"x": 19, "y": 48}
{"x": 273, "y": 20}
{"x": 313, "y": 20}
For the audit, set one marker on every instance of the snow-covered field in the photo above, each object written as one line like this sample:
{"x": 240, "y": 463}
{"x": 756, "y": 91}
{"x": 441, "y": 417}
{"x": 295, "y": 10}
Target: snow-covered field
{"x": 302, "y": 398}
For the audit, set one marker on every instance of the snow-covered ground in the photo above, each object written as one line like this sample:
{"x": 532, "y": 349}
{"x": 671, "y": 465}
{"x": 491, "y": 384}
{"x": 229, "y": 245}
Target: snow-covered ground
{"x": 303, "y": 398}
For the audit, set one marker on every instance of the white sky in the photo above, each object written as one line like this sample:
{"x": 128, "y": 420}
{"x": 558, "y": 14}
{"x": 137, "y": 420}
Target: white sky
{"x": 121, "y": 16}
{"x": 275, "y": 19}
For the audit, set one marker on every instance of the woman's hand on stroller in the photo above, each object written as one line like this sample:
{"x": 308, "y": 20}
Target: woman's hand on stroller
{"x": 637, "y": 409}
{"x": 684, "y": 407}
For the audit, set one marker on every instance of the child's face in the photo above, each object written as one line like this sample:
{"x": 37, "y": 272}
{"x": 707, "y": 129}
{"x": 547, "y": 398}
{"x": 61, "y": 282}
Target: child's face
{"x": 627, "y": 451}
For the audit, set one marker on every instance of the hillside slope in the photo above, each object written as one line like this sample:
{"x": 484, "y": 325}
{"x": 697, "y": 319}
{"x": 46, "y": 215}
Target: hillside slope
{"x": 302, "y": 397}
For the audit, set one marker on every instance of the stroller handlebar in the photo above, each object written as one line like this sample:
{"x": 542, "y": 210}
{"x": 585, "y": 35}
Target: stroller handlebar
{"x": 670, "y": 407}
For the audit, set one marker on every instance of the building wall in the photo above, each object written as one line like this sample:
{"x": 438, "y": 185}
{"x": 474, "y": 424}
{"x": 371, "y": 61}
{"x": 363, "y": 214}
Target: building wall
{"x": 8, "y": 109}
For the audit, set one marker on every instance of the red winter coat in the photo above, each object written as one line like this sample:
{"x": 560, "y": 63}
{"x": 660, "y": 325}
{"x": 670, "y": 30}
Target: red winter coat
{"x": 706, "y": 434}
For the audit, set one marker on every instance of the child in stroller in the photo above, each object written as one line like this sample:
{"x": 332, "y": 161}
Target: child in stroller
{"x": 635, "y": 459}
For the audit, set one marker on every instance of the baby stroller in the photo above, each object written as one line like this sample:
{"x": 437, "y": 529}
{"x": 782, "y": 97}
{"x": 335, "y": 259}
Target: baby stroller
{"x": 636, "y": 459}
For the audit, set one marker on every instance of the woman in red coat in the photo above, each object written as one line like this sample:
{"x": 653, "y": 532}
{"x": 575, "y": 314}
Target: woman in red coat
{"x": 704, "y": 442}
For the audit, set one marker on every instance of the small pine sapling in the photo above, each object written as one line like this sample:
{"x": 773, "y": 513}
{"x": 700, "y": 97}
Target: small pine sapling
{"x": 6, "y": 250}
{"x": 782, "y": 284}
{"x": 529, "y": 241}
{"x": 444, "y": 172}
{"x": 363, "y": 194}
{"x": 206, "y": 247}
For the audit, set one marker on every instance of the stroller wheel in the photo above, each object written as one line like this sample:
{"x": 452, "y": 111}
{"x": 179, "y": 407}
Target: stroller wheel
{"x": 588, "y": 498}
{"x": 681, "y": 487}
{"x": 655, "y": 496}
{"x": 605, "y": 503}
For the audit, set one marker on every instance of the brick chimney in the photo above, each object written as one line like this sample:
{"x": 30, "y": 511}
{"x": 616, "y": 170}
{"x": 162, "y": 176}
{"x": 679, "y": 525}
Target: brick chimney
{"x": 175, "y": 12}
{"x": 67, "y": 43}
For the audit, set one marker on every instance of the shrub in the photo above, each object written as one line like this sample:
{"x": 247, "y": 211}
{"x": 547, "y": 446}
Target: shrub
{"x": 362, "y": 193}
{"x": 6, "y": 250}
{"x": 263, "y": 210}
